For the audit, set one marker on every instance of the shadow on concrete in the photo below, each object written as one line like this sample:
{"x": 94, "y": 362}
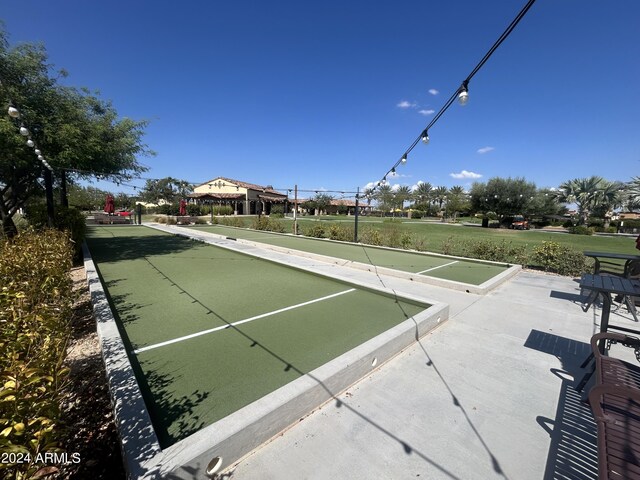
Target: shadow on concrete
{"x": 573, "y": 453}
{"x": 430, "y": 363}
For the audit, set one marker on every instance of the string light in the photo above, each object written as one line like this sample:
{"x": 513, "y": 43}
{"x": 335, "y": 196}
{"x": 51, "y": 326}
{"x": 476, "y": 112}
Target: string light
{"x": 463, "y": 96}
{"x": 461, "y": 93}
{"x": 13, "y": 112}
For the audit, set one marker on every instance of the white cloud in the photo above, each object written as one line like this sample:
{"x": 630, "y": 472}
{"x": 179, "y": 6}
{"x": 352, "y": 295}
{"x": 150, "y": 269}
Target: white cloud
{"x": 433, "y": 91}
{"x": 465, "y": 174}
{"x": 484, "y": 150}
{"x": 405, "y": 104}
{"x": 426, "y": 112}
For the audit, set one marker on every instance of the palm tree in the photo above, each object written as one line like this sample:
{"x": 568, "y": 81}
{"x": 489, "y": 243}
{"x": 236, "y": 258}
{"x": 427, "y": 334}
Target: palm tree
{"x": 631, "y": 195}
{"x": 439, "y": 194}
{"x": 385, "y": 196}
{"x": 403, "y": 193}
{"x": 589, "y": 194}
{"x": 422, "y": 192}
{"x": 456, "y": 200}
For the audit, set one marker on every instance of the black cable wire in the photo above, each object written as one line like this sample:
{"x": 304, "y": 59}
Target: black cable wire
{"x": 462, "y": 87}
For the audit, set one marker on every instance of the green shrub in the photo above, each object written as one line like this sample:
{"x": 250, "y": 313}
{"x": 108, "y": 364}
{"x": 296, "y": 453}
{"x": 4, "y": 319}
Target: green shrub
{"x": 260, "y": 223}
{"x": 581, "y": 230}
{"x": 631, "y": 223}
{"x": 316, "y": 230}
{"x": 67, "y": 219}
{"x": 419, "y": 244}
{"x": 449, "y": 245}
{"x": 277, "y": 210}
{"x": 222, "y": 210}
{"x": 502, "y": 251}
{"x": 168, "y": 209}
{"x": 341, "y": 232}
{"x": 553, "y": 257}
{"x": 406, "y": 240}
{"x": 35, "y": 307}
{"x": 231, "y": 221}
{"x": 267, "y": 224}
{"x": 194, "y": 210}
{"x": 371, "y": 236}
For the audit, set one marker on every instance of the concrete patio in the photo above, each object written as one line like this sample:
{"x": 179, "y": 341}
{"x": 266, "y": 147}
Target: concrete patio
{"x": 489, "y": 394}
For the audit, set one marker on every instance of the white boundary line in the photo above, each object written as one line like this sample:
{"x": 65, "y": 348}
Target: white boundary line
{"x": 239, "y": 322}
{"x": 435, "y": 268}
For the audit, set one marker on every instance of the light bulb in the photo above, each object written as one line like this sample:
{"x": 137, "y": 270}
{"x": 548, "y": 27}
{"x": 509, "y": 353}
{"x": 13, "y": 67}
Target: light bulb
{"x": 41, "y": 158}
{"x": 38, "y": 152}
{"x": 404, "y": 159}
{"x": 425, "y": 137}
{"x": 463, "y": 97}
{"x": 23, "y": 131}
{"x": 30, "y": 143}
{"x": 13, "y": 112}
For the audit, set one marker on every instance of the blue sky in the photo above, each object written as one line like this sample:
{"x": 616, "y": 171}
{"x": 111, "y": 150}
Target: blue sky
{"x": 328, "y": 95}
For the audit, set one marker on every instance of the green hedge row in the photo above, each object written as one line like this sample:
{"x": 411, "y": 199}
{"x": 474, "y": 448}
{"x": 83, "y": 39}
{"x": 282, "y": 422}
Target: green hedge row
{"x": 35, "y": 306}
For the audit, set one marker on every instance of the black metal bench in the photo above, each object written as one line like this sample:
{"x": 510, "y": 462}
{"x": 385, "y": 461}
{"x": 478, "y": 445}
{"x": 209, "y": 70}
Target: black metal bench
{"x": 615, "y": 402}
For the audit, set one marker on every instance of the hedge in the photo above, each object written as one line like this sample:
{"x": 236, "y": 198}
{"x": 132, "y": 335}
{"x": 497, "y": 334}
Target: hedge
{"x": 35, "y": 307}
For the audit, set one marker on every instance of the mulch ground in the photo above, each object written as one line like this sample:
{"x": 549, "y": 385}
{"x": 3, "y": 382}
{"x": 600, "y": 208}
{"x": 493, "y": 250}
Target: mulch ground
{"x": 87, "y": 412}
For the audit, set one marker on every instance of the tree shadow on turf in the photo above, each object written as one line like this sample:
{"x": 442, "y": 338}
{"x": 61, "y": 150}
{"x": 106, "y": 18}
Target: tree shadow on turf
{"x": 114, "y": 249}
{"x": 181, "y": 409}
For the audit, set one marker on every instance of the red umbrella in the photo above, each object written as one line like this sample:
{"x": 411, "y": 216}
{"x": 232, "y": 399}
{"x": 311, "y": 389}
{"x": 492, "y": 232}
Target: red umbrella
{"x": 183, "y": 207}
{"x": 109, "y": 206}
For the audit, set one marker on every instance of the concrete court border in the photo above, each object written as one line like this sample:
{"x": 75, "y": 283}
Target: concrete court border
{"x": 481, "y": 289}
{"x": 237, "y": 435}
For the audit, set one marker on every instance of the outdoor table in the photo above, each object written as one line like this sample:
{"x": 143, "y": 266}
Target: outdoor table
{"x": 627, "y": 257}
{"x": 606, "y": 285}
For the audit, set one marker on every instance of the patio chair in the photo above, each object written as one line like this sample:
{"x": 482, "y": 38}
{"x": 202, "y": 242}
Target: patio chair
{"x": 615, "y": 402}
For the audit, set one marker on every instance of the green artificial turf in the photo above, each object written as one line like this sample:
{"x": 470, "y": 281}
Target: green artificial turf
{"x": 163, "y": 287}
{"x": 466, "y": 271}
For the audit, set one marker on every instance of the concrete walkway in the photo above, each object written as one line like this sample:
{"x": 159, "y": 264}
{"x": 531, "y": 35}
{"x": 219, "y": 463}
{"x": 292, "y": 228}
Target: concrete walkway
{"x": 487, "y": 395}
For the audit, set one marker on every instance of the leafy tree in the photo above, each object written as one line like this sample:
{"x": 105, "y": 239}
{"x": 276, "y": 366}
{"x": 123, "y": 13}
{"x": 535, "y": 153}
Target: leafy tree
{"x": 543, "y": 203}
{"x": 322, "y": 200}
{"x": 319, "y": 203}
{"x": 504, "y": 196}
{"x": 76, "y": 131}
{"x": 165, "y": 190}
{"x": 86, "y": 198}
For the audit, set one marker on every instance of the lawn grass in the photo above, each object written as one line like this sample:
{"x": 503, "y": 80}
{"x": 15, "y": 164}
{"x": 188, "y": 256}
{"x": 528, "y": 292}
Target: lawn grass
{"x": 450, "y": 238}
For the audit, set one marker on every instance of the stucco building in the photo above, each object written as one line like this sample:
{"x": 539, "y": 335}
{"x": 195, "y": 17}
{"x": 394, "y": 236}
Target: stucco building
{"x": 245, "y": 198}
